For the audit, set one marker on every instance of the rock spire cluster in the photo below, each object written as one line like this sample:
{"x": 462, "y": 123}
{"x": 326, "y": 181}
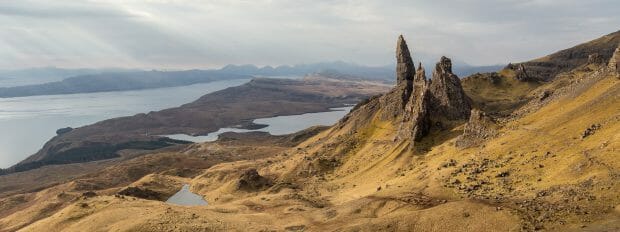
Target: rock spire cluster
{"x": 428, "y": 102}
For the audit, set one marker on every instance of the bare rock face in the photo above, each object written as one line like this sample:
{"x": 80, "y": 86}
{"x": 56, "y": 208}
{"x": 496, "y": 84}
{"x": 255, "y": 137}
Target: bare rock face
{"x": 449, "y": 99}
{"x": 404, "y": 64}
{"x": 421, "y": 120}
{"x": 595, "y": 58}
{"x": 521, "y": 73}
{"x": 142, "y": 193}
{"x": 418, "y": 108}
{"x": 479, "y": 128}
{"x": 405, "y": 70}
{"x": 396, "y": 100}
{"x": 614, "y": 62}
{"x": 250, "y": 180}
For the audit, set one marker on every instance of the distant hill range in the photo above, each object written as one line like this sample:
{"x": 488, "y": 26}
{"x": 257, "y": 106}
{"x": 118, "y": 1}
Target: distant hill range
{"x": 118, "y": 81}
{"x": 50, "y": 81}
{"x": 385, "y": 73}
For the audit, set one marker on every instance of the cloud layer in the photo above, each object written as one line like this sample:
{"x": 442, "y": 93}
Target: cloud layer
{"x": 200, "y": 34}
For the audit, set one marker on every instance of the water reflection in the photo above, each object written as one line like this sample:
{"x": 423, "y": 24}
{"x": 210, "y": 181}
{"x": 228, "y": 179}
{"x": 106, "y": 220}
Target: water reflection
{"x": 186, "y": 197}
{"x": 279, "y": 125}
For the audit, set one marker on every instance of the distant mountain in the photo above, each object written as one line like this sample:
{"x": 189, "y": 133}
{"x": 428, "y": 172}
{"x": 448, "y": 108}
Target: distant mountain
{"x": 119, "y": 81}
{"x": 382, "y": 72}
{"x": 52, "y": 81}
{"x": 349, "y": 69}
{"x": 31, "y": 76}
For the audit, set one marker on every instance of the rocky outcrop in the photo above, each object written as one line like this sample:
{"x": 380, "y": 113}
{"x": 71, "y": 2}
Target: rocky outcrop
{"x": 521, "y": 73}
{"x": 64, "y": 130}
{"x": 142, "y": 193}
{"x": 397, "y": 99}
{"x": 250, "y": 180}
{"x": 426, "y": 102}
{"x": 449, "y": 99}
{"x": 405, "y": 70}
{"x": 479, "y": 128}
{"x": 420, "y": 107}
{"x": 614, "y": 62}
{"x": 595, "y": 58}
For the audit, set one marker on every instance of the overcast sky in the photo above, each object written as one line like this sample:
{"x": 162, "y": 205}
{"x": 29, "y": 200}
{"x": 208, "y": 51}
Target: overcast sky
{"x": 206, "y": 34}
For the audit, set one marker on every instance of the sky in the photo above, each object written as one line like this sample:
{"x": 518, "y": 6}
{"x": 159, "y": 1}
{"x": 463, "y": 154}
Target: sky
{"x": 180, "y": 34}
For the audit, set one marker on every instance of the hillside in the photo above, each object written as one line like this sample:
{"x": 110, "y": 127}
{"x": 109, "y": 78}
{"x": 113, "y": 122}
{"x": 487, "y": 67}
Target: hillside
{"x": 548, "y": 67}
{"x": 493, "y": 152}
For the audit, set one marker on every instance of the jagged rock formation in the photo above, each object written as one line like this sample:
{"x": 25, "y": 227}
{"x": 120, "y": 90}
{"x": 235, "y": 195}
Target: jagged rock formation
{"x": 404, "y": 64}
{"x": 396, "y": 100}
{"x": 479, "y": 128}
{"x": 419, "y": 107}
{"x": 614, "y": 62}
{"x": 405, "y": 70}
{"x": 595, "y": 58}
{"x": 521, "y": 73}
{"x": 449, "y": 99}
{"x": 427, "y": 102}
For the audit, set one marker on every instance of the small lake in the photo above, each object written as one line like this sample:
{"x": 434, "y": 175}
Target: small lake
{"x": 26, "y": 123}
{"x": 279, "y": 125}
{"x": 186, "y": 197}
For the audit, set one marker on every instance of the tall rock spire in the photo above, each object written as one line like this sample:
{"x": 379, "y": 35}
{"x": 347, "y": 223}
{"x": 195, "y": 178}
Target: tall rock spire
{"x": 449, "y": 99}
{"x": 404, "y": 64}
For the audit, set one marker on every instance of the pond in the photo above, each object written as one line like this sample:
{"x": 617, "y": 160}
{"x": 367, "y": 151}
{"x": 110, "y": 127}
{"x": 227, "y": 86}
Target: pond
{"x": 279, "y": 125}
{"x": 186, "y": 197}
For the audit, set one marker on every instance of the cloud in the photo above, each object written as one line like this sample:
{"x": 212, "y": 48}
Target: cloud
{"x": 212, "y": 33}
